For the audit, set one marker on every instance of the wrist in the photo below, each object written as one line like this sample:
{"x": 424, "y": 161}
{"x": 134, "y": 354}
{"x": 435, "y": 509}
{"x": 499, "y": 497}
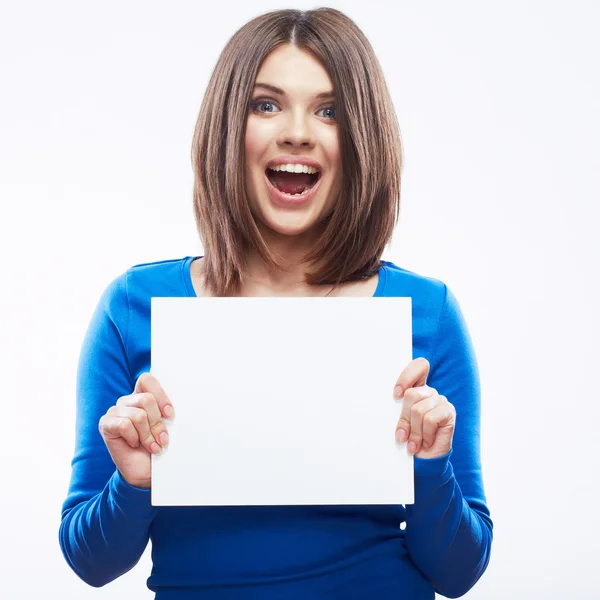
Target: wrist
{"x": 432, "y": 466}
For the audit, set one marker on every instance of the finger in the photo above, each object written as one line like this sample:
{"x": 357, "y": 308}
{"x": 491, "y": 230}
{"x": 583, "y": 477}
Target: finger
{"x": 146, "y": 382}
{"x": 139, "y": 418}
{"x": 418, "y": 413}
{"x": 114, "y": 427}
{"x": 438, "y": 417}
{"x": 412, "y": 396}
{"x": 148, "y": 402}
{"x": 414, "y": 375}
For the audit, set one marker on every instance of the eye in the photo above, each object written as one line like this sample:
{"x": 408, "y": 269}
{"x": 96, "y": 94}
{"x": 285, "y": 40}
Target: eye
{"x": 331, "y": 107}
{"x": 257, "y": 103}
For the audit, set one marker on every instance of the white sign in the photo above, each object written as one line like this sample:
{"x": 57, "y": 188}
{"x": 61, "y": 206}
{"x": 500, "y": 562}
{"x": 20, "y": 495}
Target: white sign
{"x": 281, "y": 401}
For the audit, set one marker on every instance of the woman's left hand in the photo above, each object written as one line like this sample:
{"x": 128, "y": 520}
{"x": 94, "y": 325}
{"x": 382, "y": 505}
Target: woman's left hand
{"x": 427, "y": 418}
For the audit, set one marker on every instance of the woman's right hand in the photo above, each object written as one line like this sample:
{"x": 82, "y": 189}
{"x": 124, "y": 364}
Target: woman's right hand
{"x": 133, "y": 429}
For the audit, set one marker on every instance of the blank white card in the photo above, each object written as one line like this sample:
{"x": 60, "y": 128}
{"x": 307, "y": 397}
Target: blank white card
{"x": 281, "y": 401}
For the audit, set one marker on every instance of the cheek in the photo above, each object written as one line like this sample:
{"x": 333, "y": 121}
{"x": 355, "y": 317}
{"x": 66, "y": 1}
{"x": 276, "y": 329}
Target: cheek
{"x": 252, "y": 151}
{"x": 334, "y": 159}
{"x": 335, "y": 152}
{"x": 256, "y": 141}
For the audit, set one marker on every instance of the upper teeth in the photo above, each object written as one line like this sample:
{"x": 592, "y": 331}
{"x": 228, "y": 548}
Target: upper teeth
{"x": 291, "y": 168}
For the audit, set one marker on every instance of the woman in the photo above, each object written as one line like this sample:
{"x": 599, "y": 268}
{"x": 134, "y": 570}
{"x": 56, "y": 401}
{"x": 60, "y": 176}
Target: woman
{"x": 290, "y": 88}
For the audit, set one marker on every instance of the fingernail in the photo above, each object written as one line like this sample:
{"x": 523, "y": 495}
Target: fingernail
{"x": 164, "y": 438}
{"x": 169, "y": 411}
{"x": 401, "y": 435}
{"x": 155, "y": 448}
{"x": 412, "y": 447}
{"x": 398, "y": 391}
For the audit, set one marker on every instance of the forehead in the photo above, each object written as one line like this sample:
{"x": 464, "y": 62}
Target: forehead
{"x": 295, "y": 70}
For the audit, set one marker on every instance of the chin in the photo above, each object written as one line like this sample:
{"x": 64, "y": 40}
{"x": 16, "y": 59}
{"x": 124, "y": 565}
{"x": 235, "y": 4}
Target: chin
{"x": 288, "y": 222}
{"x": 288, "y": 225}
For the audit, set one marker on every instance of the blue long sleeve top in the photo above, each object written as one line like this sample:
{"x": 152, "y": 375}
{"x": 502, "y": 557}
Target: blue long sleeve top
{"x": 441, "y": 543}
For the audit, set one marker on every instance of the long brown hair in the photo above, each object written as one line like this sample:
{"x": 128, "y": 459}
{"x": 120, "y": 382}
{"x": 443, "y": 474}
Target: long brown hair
{"x": 362, "y": 222}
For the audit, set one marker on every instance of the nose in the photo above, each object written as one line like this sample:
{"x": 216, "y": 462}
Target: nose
{"x": 296, "y": 130}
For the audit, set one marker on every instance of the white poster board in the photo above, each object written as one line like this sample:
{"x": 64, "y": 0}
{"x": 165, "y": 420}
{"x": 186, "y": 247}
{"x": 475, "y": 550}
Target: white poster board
{"x": 281, "y": 401}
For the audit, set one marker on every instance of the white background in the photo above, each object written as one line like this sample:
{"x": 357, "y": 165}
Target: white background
{"x": 498, "y": 107}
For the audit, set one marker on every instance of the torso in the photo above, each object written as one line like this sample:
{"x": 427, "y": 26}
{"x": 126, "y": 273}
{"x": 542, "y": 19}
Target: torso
{"x": 364, "y": 288}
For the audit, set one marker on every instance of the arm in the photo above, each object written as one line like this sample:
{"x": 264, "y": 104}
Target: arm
{"x": 105, "y": 521}
{"x": 448, "y": 528}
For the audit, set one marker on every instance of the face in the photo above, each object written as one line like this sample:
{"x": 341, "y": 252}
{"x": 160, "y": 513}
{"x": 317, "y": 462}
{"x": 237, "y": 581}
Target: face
{"x": 295, "y": 123}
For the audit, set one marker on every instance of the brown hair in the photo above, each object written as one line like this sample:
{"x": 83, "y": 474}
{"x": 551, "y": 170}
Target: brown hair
{"x": 361, "y": 225}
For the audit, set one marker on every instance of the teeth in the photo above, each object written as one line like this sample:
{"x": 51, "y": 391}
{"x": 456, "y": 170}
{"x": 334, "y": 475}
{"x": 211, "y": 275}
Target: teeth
{"x": 292, "y": 168}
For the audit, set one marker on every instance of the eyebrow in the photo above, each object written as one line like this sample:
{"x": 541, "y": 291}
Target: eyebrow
{"x": 276, "y": 90}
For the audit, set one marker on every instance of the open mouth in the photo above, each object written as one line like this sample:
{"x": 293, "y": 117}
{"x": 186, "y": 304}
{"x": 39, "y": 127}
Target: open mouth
{"x": 294, "y": 184}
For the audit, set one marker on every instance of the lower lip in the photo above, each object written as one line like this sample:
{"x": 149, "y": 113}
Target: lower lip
{"x": 288, "y": 200}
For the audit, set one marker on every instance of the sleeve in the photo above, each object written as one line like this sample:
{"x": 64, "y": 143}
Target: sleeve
{"x": 105, "y": 522}
{"x": 448, "y": 528}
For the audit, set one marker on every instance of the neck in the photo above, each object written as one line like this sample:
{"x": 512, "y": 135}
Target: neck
{"x": 290, "y": 277}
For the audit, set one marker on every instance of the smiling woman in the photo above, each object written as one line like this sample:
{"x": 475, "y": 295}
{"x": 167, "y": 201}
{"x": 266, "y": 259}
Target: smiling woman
{"x": 297, "y": 162}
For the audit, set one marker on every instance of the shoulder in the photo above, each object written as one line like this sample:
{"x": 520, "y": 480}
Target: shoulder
{"x": 402, "y": 282}
{"x": 159, "y": 268}
{"x": 168, "y": 277}
{"x": 433, "y": 302}
{"x": 142, "y": 281}
{"x": 440, "y": 330}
